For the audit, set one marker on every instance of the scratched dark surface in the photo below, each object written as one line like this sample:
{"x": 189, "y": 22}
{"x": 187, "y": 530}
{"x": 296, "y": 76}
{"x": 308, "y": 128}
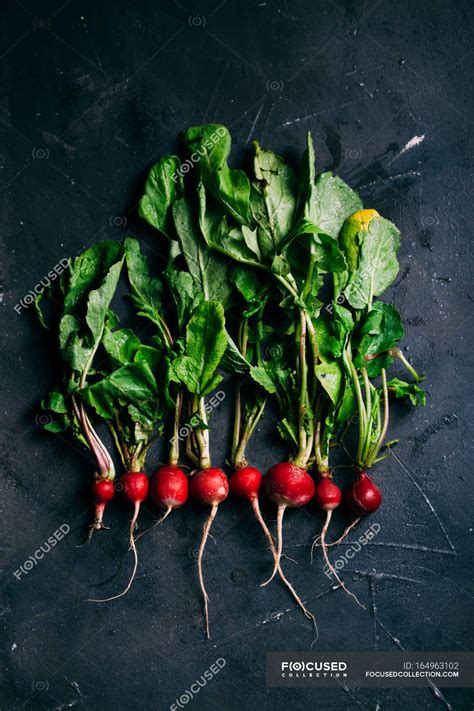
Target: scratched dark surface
{"x": 92, "y": 93}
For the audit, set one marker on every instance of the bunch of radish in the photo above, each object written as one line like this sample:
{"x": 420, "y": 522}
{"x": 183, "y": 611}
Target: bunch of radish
{"x": 251, "y": 259}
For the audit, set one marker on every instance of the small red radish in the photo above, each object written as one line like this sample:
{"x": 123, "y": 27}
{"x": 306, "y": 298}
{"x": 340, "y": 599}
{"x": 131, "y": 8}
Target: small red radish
{"x": 134, "y": 487}
{"x": 363, "y": 497}
{"x": 327, "y": 497}
{"x": 103, "y": 491}
{"x": 287, "y": 485}
{"x": 245, "y": 483}
{"x": 169, "y": 489}
{"x": 209, "y": 487}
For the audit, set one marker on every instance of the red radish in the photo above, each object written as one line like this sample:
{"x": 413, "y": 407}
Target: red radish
{"x": 103, "y": 491}
{"x": 134, "y": 487}
{"x": 209, "y": 487}
{"x": 245, "y": 483}
{"x": 169, "y": 489}
{"x": 327, "y": 497}
{"x": 287, "y": 485}
{"x": 363, "y": 497}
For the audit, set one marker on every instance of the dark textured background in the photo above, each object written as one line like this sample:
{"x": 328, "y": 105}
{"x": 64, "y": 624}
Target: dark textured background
{"x": 92, "y": 93}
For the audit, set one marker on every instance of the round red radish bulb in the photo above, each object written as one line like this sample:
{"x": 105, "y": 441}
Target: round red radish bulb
{"x": 246, "y": 482}
{"x": 169, "y": 487}
{"x": 286, "y": 485}
{"x": 363, "y": 497}
{"x": 209, "y": 486}
{"x": 103, "y": 491}
{"x": 134, "y": 486}
{"x": 327, "y": 494}
{"x": 289, "y": 485}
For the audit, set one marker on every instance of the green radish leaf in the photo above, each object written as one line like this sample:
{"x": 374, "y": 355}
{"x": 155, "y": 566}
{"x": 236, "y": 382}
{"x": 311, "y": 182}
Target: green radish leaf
{"x": 218, "y": 234}
{"x": 210, "y": 145}
{"x": 164, "y": 185}
{"x": 146, "y": 291}
{"x": 184, "y": 292}
{"x": 55, "y": 402}
{"x": 77, "y": 344}
{"x": 280, "y": 265}
{"x": 348, "y": 403}
{"x": 247, "y": 283}
{"x": 330, "y": 375}
{"x": 307, "y": 176}
{"x": 265, "y": 377}
{"x": 151, "y": 356}
{"x": 208, "y": 269}
{"x": 129, "y": 384}
{"x": 276, "y": 183}
{"x": 309, "y": 240}
{"x": 379, "y": 333}
{"x": 206, "y": 342}
{"x": 330, "y": 201}
{"x": 99, "y": 301}
{"x": 233, "y": 361}
{"x": 378, "y": 264}
{"x": 331, "y": 333}
{"x": 288, "y": 432}
{"x": 87, "y": 270}
{"x": 121, "y": 345}
{"x": 400, "y": 388}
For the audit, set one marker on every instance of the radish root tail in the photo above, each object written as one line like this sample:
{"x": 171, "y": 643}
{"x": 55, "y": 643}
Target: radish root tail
{"x": 347, "y": 530}
{"x": 96, "y": 525}
{"x": 135, "y": 558}
{"x": 277, "y": 558}
{"x": 328, "y": 562}
{"x": 205, "y": 534}
{"x": 285, "y": 581}
{"x": 157, "y": 523}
